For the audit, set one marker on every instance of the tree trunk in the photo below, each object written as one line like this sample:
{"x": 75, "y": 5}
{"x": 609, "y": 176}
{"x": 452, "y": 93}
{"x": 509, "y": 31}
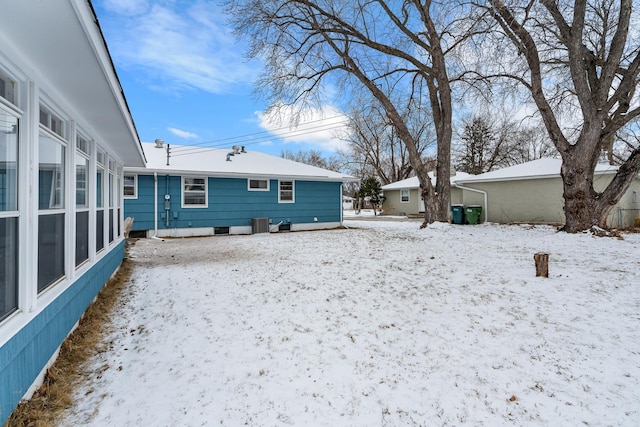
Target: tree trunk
{"x": 542, "y": 264}
{"x": 583, "y": 206}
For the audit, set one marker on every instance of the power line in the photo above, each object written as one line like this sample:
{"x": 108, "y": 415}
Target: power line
{"x": 223, "y": 142}
{"x": 188, "y": 151}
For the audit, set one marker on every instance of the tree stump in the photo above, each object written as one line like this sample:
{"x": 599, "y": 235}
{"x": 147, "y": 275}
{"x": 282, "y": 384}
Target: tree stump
{"x": 542, "y": 264}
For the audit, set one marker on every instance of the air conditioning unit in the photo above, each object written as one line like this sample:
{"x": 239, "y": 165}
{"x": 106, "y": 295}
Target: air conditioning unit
{"x": 260, "y": 225}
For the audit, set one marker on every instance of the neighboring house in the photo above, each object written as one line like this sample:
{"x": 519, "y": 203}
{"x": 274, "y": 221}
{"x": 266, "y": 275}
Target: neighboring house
{"x": 405, "y": 197}
{"x": 65, "y": 134}
{"x": 532, "y": 193}
{"x": 206, "y": 191}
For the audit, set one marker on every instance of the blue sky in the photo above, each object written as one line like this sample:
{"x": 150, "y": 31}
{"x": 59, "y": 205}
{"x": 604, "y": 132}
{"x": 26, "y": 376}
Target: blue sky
{"x": 187, "y": 81}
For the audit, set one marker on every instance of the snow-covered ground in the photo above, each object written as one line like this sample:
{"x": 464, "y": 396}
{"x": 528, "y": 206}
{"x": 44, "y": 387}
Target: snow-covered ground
{"x": 381, "y": 324}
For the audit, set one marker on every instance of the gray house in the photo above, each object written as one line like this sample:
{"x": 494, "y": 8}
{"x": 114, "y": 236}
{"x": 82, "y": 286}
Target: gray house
{"x": 526, "y": 193}
{"x": 405, "y": 197}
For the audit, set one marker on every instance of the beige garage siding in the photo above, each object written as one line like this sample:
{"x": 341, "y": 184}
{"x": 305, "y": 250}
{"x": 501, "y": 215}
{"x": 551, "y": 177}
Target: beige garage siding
{"x": 394, "y": 206}
{"x": 534, "y": 200}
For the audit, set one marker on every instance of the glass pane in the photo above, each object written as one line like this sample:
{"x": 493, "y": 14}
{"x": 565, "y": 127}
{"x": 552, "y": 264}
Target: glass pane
{"x": 82, "y": 237}
{"x": 286, "y": 190}
{"x": 129, "y": 185}
{"x": 111, "y": 225}
{"x": 50, "y": 249}
{"x": 191, "y": 198}
{"x": 9, "y": 266}
{"x": 51, "y": 174}
{"x": 119, "y": 225}
{"x": 99, "y": 230}
{"x": 83, "y": 145}
{"x": 258, "y": 183}
{"x": 99, "y": 184}
{"x": 119, "y": 191}
{"x": 7, "y": 88}
{"x": 82, "y": 169}
{"x": 111, "y": 190}
{"x": 8, "y": 162}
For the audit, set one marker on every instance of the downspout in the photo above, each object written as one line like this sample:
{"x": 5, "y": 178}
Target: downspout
{"x": 155, "y": 207}
{"x": 474, "y": 190}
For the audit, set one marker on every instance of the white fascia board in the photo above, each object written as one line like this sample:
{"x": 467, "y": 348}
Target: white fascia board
{"x": 149, "y": 171}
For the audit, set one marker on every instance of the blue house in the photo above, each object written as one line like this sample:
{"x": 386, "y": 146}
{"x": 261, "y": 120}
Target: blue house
{"x": 65, "y": 135}
{"x": 189, "y": 191}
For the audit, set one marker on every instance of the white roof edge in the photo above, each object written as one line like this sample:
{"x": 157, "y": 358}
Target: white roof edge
{"x": 522, "y": 177}
{"x": 149, "y": 171}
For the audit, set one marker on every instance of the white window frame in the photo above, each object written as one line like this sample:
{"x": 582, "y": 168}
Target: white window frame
{"x": 59, "y": 185}
{"x": 83, "y": 151}
{"x": 408, "y": 192}
{"x": 125, "y": 186}
{"x": 206, "y": 193}
{"x": 293, "y": 191}
{"x": 15, "y": 213}
{"x": 268, "y": 181}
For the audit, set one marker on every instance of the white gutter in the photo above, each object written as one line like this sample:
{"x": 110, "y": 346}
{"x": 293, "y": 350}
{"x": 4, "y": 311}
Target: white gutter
{"x": 474, "y": 190}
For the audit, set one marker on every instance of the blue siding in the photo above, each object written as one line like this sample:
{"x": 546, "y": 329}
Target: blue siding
{"x": 26, "y": 353}
{"x": 230, "y": 204}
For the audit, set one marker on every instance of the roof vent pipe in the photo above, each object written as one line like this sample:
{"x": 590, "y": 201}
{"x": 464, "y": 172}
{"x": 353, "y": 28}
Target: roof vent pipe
{"x": 235, "y": 149}
{"x": 159, "y": 143}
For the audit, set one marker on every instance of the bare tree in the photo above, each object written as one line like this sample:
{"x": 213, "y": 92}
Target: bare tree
{"x": 313, "y": 158}
{"x": 531, "y": 143}
{"x": 486, "y": 144}
{"x": 380, "y": 46}
{"x": 579, "y": 58}
{"x": 374, "y": 142}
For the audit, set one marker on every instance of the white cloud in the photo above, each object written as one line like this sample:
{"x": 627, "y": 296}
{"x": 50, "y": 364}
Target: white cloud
{"x": 127, "y": 7}
{"x": 319, "y": 127}
{"x": 178, "y": 47}
{"x": 182, "y": 133}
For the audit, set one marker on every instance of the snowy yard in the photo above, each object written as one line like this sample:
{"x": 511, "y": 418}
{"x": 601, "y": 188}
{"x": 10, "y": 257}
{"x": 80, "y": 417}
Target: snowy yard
{"x": 381, "y": 324}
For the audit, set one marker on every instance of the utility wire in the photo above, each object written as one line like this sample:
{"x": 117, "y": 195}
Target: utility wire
{"x": 217, "y": 143}
{"x": 257, "y": 141}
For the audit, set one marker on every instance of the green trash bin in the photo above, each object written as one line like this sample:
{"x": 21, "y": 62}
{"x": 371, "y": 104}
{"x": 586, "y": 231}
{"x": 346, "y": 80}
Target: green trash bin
{"x": 472, "y": 213}
{"x": 457, "y": 214}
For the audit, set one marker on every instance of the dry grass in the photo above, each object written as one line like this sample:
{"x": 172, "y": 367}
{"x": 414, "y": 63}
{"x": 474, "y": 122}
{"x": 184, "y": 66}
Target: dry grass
{"x": 55, "y": 394}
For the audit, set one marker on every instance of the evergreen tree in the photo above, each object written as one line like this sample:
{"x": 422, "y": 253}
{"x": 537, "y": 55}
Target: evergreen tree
{"x": 371, "y": 188}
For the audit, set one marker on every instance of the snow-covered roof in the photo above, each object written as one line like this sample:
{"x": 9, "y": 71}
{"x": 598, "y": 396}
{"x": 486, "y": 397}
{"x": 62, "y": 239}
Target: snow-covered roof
{"x": 535, "y": 169}
{"x": 190, "y": 160}
{"x": 414, "y": 183}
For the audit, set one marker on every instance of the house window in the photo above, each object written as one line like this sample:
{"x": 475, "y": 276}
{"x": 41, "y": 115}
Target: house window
{"x": 82, "y": 200}
{"x": 286, "y": 193}
{"x": 258, "y": 185}
{"x": 51, "y": 121}
{"x": 100, "y": 201}
{"x": 130, "y": 189}
{"x": 404, "y": 196}
{"x": 7, "y": 88}
{"x": 9, "y": 215}
{"x": 51, "y": 214}
{"x": 194, "y": 192}
{"x": 112, "y": 195}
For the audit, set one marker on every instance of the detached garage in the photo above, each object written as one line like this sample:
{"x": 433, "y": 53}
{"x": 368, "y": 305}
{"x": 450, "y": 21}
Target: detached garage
{"x": 532, "y": 193}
